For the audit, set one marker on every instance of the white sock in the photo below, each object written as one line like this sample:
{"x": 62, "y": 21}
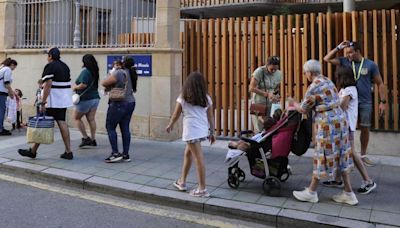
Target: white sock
{"x": 349, "y": 193}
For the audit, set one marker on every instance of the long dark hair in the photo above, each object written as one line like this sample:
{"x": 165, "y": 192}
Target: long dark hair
{"x": 91, "y": 64}
{"x": 9, "y": 61}
{"x": 194, "y": 90}
{"x": 129, "y": 64}
{"x": 344, "y": 77}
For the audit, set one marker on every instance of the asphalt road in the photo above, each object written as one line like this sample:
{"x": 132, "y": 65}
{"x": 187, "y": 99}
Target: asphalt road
{"x": 44, "y": 205}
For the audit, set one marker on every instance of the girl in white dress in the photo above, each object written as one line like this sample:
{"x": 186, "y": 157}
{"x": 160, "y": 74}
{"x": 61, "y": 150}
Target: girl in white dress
{"x": 198, "y": 125}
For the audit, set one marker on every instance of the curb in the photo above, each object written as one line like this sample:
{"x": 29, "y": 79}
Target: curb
{"x": 267, "y": 215}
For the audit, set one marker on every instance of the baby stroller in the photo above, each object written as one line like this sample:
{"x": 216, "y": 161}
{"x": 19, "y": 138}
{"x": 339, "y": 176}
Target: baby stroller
{"x": 268, "y": 152}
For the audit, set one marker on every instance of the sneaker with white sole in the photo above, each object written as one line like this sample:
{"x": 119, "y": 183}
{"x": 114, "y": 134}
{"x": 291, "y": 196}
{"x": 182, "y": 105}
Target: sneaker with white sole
{"x": 333, "y": 183}
{"x": 366, "y": 188}
{"x": 181, "y": 187}
{"x": 199, "y": 193}
{"x": 346, "y": 197}
{"x": 306, "y": 196}
{"x": 367, "y": 161}
{"x": 114, "y": 158}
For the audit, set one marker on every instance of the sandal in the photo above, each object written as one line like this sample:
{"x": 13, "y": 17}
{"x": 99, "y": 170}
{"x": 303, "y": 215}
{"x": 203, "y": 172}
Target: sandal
{"x": 180, "y": 187}
{"x": 199, "y": 193}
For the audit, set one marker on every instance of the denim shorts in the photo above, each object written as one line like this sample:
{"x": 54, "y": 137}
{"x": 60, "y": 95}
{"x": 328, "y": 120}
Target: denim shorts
{"x": 364, "y": 115}
{"x": 86, "y": 105}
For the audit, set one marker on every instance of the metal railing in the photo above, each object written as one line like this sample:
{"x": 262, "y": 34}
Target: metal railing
{"x": 211, "y": 3}
{"x": 85, "y": 23}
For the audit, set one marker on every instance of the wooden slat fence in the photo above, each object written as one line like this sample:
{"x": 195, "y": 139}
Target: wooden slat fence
{"x": 203, "y": 3}
{"x": 228, "y": 50}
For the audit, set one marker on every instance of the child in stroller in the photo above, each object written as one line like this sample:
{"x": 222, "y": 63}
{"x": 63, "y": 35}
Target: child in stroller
{"x": 267, "y": 152}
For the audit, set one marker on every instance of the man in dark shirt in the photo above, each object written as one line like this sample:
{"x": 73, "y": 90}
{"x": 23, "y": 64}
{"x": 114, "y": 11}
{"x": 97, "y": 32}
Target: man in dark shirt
{"x": 56, "y": 98}
{"x": 366, "y": 72}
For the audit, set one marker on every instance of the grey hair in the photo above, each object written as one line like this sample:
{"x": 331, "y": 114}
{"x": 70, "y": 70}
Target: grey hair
{"x": 313, "y": 66}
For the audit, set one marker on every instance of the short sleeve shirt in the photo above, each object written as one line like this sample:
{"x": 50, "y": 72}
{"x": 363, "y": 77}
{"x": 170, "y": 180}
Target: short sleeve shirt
{"x": 60, "y": 93}
{"x": 5, "y": 78}
{"x": 90, "y": 92}
{"x": 352, "y": 110}
{"x": 195, "y": 121}
{"x": 321, "y": 95}
{"x": 364, "y": 83}
{"x": 122, "y": 78}
{"x": 266, "y": 82}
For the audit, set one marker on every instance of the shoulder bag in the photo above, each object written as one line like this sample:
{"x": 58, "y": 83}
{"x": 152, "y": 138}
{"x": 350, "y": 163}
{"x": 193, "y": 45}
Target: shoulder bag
{"x": 259, "y": 109}
{"x": 76, "y": 98}
{"x": 118, "y": 93}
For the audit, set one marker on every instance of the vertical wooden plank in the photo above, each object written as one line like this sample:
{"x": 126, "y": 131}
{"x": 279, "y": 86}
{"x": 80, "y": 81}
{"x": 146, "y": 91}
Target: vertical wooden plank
{"x": 211, "y": 57}
{"x": 329, "y": 39}
{"x": 354, "y": 25}
{"x": 246, "y": 72}
{"x": 252, "y": 44}
{"x": 346, "y": 26}
{"x": 395, "y": 70}
{"x": 205, "y": 46}
{"x": 312, "y": 34}
{"x": 385, "y": 67}
{"x": 290, "y": 55}
{"x": 274, "y": 35}
{"x": 188, "y": 52}
{"x": 198, "y": 45}
{"x": 282, "y": 57}
{"x": 238, "y": 76}
{"x": 259, "y": 41}
{"x": 321, "y": 40}
{"x": 225, "y": 75}
{"x": 305, "y": 51}
{"x": 267, "y": 38}
{"x": 231, "y": 76}
{"x": 192, "y": 44}
{"x": 218, "y": 85}
{"x": 365, "y": 33}
{"x": 297, "y": 57}
{"x": 376, "y": 60}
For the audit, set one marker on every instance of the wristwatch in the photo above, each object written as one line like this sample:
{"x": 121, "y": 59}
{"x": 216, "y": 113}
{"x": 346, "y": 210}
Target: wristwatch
{"x": 382, "y": 101}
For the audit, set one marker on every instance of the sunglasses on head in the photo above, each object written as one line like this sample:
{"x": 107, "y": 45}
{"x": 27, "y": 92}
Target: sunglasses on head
{"x": 275, "y": 60}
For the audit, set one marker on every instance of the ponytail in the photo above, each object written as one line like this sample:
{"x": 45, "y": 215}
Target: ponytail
{"x": 129, "y": 64}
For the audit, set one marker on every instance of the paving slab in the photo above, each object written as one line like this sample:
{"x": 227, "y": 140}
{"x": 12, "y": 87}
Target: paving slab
{"x": 66, "y": 175}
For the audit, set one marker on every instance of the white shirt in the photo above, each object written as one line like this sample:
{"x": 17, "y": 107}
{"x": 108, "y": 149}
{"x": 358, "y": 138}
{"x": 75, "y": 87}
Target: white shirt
{"x": 352, "y": 110}
{"x": 195, "y": 121}
{"x": 5, "y": 76}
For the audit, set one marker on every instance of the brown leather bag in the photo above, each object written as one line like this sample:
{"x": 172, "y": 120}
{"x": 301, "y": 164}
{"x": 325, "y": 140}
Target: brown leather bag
{"x": 118, "y": 93}
{"x": 258, "y": 109}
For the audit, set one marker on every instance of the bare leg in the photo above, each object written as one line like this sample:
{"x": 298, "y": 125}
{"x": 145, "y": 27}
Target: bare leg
{"x": 346, "y": 180}
{"x": 65, "y": 135}
{"x": 364, "y": 139}
{"x": 187, "y": 163}
{"x": 79, "y": 123}
{"x": 314, "y": 184}
{"x": 90, "y": 116}
{"x": 35, "y": 147}
{"x": 359, "y": 164}
{"x": 197, "y": 153}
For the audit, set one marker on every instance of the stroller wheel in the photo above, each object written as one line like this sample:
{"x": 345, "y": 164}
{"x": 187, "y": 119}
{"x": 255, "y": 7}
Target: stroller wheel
{"x": 233, "y": 181}
{"x": 272, "y": 186}
{"x": 242, "y": 175}
{"x": 284, "y": 176}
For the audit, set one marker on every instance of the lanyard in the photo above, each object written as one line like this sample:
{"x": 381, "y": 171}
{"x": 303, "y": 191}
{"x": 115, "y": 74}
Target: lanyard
{"x": 357, "y": 76}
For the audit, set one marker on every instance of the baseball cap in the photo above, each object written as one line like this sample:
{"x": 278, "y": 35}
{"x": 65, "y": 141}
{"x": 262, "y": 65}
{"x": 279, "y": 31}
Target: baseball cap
{"x": 54, "y": 52}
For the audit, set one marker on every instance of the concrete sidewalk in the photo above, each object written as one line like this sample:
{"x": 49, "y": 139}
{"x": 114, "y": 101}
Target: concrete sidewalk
{"x": 155, "y": 165}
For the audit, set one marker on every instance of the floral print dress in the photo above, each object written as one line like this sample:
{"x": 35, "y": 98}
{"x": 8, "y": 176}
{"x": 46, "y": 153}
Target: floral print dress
{"x": 333, "y": 146}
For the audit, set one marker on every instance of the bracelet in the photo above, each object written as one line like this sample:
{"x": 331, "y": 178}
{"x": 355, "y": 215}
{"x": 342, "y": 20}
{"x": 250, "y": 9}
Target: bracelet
{"x": 382, "y": 101}
{"x": 338, "y": 48}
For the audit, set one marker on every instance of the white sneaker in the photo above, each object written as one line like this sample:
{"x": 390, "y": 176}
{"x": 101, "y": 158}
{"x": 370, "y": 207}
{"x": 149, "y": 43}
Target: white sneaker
{"x": 306, "y": 196}
{"x": 344, "y": 197}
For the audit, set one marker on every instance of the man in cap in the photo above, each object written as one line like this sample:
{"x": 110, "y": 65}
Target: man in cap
{"x": 56, "y": 99}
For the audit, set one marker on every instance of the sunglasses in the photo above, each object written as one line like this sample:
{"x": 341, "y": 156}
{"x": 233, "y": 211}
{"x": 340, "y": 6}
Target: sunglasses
{"x": 275, "y": 60}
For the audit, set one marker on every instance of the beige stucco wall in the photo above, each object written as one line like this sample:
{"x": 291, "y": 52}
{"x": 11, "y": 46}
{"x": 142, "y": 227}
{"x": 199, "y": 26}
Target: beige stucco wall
{"x": 32, "y": 62}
